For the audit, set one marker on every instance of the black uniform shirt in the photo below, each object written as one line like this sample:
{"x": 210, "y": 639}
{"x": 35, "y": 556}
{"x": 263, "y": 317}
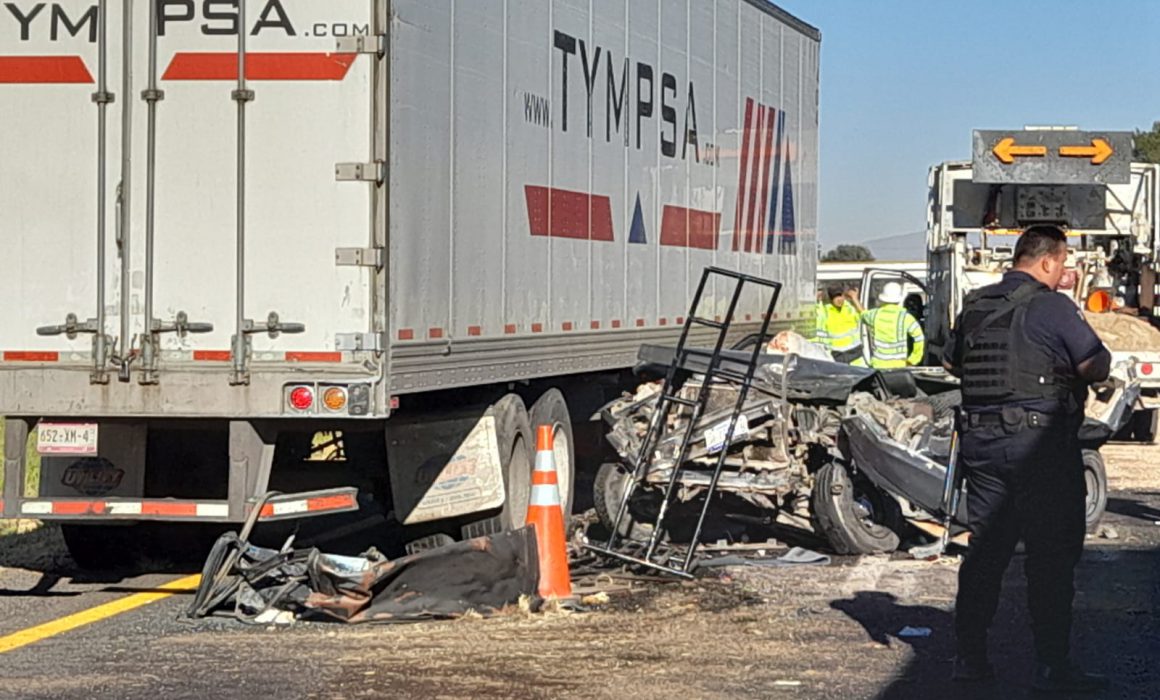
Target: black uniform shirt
{"x": 1053, "y": 321}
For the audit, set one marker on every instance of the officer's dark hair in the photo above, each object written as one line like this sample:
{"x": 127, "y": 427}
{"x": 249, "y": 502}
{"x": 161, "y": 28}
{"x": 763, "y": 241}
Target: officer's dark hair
{"x": 1038, "y": 241}
{"x": 834, "y": 290}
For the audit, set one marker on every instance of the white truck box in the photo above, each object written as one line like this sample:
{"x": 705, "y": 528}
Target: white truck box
{"x": 400, "y": 197}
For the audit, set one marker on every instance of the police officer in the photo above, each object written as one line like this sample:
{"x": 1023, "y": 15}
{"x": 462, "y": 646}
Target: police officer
{"x": 838, "y": 324}
{"x": 896, "y": 338}
{"x": 1026, "y": 357}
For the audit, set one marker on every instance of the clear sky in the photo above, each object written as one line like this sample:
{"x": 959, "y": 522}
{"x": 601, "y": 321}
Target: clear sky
{"x": 903, "y": 83}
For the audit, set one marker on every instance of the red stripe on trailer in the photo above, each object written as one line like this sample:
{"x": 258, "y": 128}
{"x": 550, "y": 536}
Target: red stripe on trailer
{"x": 435, "y": 333}
{"x": 179, "y": 510}
{"x": 594, "y": 325}
{"x": 741, "y": 189}
{"x": 680, "y": 320}
{"x": 31, "y": 356}
{"x": 663, "y": 321}
{"x": 640, "y": 323}
{"x": 474, "y": 330}
{"x": 77, "y": 507}
{"x": 308, "y": 505}
{"x": 510, "y": 329}
{"x": 259, "y": 66}
{"x": 566, "y": 325}
{"x": 212, "y": 355}
{"x": 766, "y": 154}
{"x": 752, "y": 192}
{"x": 689, "y": 228}
{"x": 537, "y": 328}
{"x": 330, "y": 502}
{"x": 44, "y": 70}
{"x": 301, "y": 356}
{"x": 616, "y": 323}
{"x": 568, "y": 214}
{"x": 406, "y": 334}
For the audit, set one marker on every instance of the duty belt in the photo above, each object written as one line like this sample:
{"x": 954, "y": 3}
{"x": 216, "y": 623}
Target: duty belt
{"x": 1014, "y": 417}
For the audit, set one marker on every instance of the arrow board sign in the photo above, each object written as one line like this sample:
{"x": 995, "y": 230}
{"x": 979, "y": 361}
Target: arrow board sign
{"x": 1052, "y": 157}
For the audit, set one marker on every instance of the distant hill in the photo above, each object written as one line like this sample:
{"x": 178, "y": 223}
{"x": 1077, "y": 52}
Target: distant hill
{"x": 901, "y": 247}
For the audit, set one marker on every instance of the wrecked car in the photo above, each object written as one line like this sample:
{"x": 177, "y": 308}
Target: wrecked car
{"x": 854, "y": 455}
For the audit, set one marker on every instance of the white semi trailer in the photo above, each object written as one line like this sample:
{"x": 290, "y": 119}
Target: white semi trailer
{"x": 428, "y": 224}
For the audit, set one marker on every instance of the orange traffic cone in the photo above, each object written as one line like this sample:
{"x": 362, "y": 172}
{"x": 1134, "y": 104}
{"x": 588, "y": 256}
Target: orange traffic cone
{"x": 547, "y": 515}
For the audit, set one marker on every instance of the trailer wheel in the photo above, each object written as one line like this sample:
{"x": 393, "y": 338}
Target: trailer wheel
{"x": 551, "y": 409}
{"x": 516, "y": 444}
{"x": 1095, "y": 478}
{"x": 853, "y": 518}
{"x": 102, "y": 547}
{"x": 611, "y": 480}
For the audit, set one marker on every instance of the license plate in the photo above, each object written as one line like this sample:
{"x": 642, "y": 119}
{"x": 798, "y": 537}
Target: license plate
{"x": 66, "y": 438}
{"x": 715, "y": 436}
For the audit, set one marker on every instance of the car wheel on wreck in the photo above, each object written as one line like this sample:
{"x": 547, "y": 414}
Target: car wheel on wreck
{"x": 853, "y": 516}
{"x": 1095, "y": 478}
{"x": 611, "y": 480}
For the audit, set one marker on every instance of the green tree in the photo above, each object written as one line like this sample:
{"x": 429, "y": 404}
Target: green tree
{"x": 1148, "y": 145}
{"x": 848, "y": 253}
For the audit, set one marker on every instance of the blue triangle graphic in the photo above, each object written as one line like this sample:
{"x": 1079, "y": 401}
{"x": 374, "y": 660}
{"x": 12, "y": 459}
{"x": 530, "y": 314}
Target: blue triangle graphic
{"x": 636, "y": 233}
{"x": 788, "y": 233}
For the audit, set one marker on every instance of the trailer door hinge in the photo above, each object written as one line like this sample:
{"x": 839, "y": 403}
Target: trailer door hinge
{"x": 359, "y": 257}
{"x": 359, "y": 172}
{"x": 353, "y": 342}
{"x": 375, "y": 43}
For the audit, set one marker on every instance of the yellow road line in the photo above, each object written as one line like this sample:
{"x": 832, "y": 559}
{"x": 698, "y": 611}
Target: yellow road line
{"x": 96, "y": 614}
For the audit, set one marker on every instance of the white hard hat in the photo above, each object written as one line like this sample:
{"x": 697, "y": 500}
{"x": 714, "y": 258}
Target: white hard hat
{"x": 891, "y": 293}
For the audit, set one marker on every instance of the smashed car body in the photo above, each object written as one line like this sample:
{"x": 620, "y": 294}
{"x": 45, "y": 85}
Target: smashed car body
{"x": 855, "y": 455}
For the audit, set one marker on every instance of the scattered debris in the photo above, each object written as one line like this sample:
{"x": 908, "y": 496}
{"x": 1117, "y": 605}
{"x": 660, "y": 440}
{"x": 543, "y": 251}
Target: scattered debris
{"x": 800, "y": 556}
{"x": 477, "y": 577}
{"x": 1108, "y": 532}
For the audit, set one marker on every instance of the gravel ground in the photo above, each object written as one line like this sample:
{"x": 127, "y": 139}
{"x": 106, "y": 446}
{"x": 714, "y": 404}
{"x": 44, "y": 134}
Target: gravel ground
{"x": 754, "y": 631}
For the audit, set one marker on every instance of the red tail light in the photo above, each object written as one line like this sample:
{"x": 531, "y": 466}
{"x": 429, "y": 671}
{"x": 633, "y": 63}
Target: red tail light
{"x": 1146, "y": 368}
{"x": 301, "y": 398}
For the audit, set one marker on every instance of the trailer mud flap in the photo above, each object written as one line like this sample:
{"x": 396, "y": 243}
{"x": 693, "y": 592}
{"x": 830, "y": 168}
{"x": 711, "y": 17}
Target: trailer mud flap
{"x": 445, "y": 468}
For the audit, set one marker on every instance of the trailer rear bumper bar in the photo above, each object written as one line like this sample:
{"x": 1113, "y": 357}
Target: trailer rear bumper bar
{"x": 278, "y": 507}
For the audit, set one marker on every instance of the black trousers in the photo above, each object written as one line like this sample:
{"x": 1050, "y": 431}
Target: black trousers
{"x": 1022, "y": 482}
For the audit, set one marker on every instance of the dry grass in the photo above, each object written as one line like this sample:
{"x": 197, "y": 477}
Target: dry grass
{"x": 1132, "y": 467}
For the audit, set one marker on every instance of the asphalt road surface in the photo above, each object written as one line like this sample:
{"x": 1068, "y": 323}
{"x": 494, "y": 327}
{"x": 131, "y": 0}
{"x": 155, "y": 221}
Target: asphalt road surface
{"x": 760, "y": 632}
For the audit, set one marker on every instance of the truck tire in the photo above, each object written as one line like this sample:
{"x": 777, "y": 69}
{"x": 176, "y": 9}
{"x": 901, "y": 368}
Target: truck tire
{"x": 551, "y": 409}
{"x": 516, "y": 442}
{"x": 1095, "y": 478}
{"x": 853, "y": 520}
{"x": 102, "y": 547}
{"x": 611, "y": 480}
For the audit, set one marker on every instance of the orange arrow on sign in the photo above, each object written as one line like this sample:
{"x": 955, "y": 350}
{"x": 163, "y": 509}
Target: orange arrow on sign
{"x": 1099, "y": 151}
{"x": 1006, "y": 150}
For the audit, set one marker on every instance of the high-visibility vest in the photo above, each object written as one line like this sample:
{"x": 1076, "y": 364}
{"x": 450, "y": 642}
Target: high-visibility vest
{"x": 838, "y": 329}
{"x": 890, "y": 327}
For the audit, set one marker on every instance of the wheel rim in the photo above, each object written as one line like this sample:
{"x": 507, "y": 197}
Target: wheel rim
{"x": 519, "y": 494}
{"x": 1091, "y": 489}
{"x": 562, "y": 454}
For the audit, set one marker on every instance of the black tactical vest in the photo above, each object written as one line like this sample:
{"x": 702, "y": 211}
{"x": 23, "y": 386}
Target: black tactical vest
{"x": 1000, "y": 364}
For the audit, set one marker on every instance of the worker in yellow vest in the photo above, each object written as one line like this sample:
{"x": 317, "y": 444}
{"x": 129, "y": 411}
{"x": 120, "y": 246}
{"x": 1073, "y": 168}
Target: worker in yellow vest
{"x": 891, "y": 329}
{"x": 837, "y": 324}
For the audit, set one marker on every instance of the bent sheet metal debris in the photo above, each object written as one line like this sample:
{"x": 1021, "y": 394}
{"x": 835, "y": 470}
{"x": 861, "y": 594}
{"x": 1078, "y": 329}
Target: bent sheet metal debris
{"x": 482, "y": 575}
